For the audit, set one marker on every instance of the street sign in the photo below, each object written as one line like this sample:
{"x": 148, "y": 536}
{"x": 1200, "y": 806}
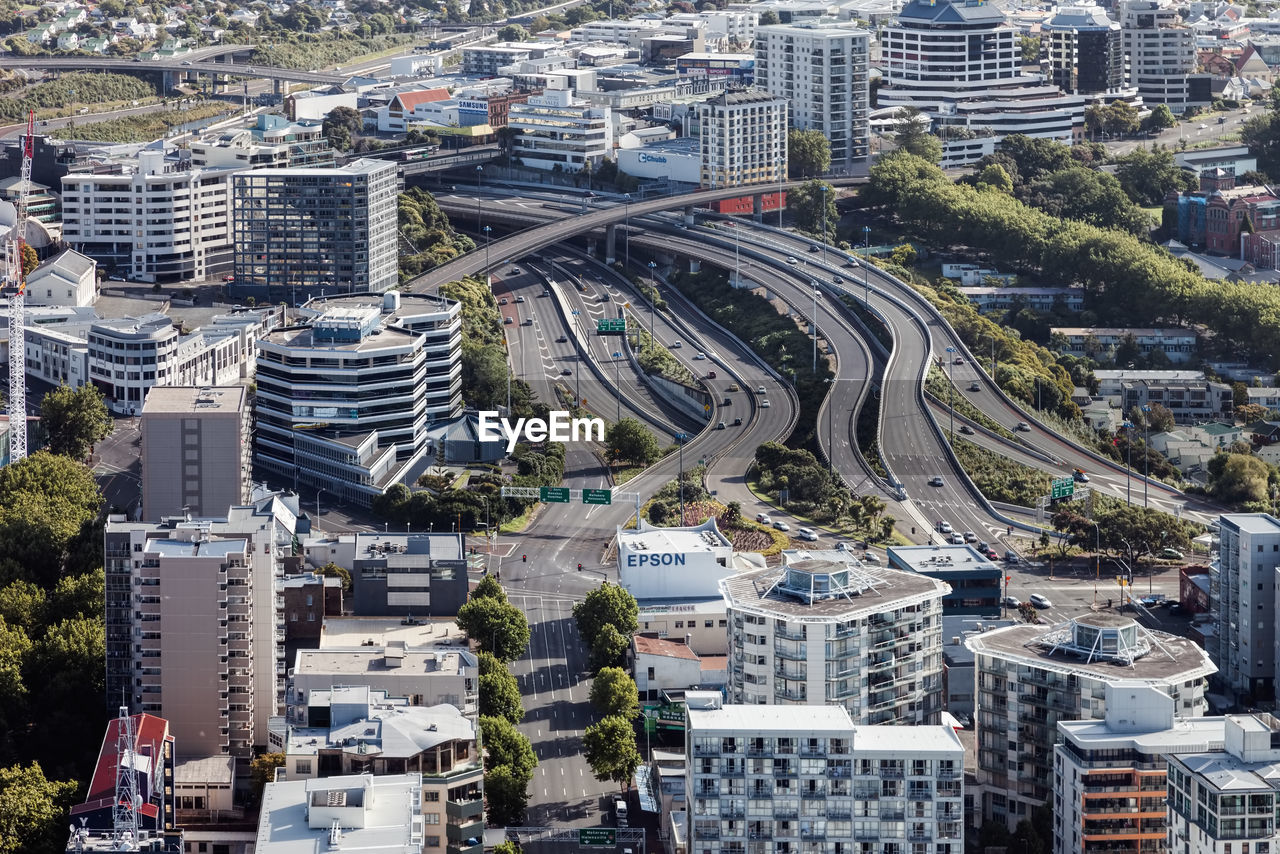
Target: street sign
{"x": 553, "y": 494}
{"x": 597, "y": 836}
{"x": 597, "y": 496}
{"x": 611, "y": 326}
{"x": 1063, "y": 487}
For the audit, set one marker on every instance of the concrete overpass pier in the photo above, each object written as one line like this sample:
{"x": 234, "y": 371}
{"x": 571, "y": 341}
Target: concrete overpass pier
{"x": 757, "y": 207}
{"x": 610, "y": 244}
{"x": 688, "y": 216}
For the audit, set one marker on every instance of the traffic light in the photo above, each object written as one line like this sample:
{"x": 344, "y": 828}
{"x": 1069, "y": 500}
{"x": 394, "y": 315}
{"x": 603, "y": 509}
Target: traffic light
{"x": 524, "y": 559}
{"x": 579, "y": 567}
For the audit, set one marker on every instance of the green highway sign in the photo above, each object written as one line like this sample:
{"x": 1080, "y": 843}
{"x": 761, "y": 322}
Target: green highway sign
{"x": 611, "y": 326}
{"x": 597, "y": 496}
{"x": 1063, "y": 487}
{"x": 597, "y": 836}
{"x": 553, "y": 494}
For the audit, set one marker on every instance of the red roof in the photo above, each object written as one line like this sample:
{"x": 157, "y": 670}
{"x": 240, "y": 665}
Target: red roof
{"x": 409, "y": 101}
{"x": 150, "y": 733}
{"x": 714, "y": 662}
{"x": 663, "y": 647}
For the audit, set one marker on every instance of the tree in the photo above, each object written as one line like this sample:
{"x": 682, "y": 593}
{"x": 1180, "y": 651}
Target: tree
{"x": 1238, "y": 478}
{"x": 506, "y": 745}
{"x": 332, "y": 570}
{"x": 1262, "y": 134}
{"x": 75, "y": 420}
{"x": 30, "y": 260}
{"x": 500, "y": 696}
{"x": 994, "y": 177}
{"x": 46, "y": 502}
{"x": 813, "y": 204}
{"x": 262, "y": 770}
{"x": 507, "y": 847}
{"x": 630, "y": 440}
{"x": 1030, "y": 49}
{"x": 611, "y": 750}
{"x": 1148, "y": 176}
{"x": 607, "y": 648}
{"x": 341, "y": 124}
{"x": 768, "y": 18}
{"x": 506, "y": 793}
{"x": 33, "y": 810}
{"x": 495, "y": 626}
{"x": 489, "y": 588}
{"x": 1160, "y": 118}
{"x": 808, "y": 153}
{"x": 513, "y": 33}
{"x": 1026, "y": 839}
{"x": 613, "y": 692}
{"x": 911, "y": 134}
{"x": 1027, "y": 613}
{"x": 608, "y": 604}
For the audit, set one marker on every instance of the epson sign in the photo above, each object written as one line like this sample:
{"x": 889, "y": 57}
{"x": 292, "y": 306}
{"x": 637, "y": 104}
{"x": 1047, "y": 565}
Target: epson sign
{"x": 646, "y": 559}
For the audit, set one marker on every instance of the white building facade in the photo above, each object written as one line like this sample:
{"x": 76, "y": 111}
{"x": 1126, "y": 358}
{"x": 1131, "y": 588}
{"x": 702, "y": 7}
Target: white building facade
{"x": 1161, "y": 52}
{"x": 1242, "y": 600}
{"x": 822, "y": 71}
{"x": 557, "y": 130}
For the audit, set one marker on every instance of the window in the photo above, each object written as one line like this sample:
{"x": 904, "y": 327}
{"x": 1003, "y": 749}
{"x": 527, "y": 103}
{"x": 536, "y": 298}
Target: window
{"x": 433, "y": 841}
{"x": 431, "y": 797}
{"x": 303, "y": 766}
{"x": 431, "y": 818}
{"x": 651, "y": 677}
{"x": 679, "y": 624}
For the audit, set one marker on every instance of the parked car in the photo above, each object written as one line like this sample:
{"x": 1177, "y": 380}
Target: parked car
{"x": 1039, "y": 601}
{"x": 781, "y": 526}
{"x": 507, "y": 321}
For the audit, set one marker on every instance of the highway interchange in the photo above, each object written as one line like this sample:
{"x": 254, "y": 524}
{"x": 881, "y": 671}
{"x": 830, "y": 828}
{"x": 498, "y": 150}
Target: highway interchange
{"x": 539, "y": 566}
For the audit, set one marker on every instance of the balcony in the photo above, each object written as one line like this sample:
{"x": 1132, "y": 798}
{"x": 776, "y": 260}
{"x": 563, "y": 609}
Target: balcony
{"x": 472, "y": 809}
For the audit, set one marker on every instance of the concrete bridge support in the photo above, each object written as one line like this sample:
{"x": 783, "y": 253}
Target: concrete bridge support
{"x": 757, "y": 207}
{"x": 610, "y": 244}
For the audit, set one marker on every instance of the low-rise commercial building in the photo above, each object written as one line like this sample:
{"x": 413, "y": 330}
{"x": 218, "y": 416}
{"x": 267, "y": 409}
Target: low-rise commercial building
{"x": 363, "y": 813}
{"x": 976, "y": 583}
{"x": 1030, "y": 677}
{"x": 673, "y": 563}
{"x": 148, "y": 750}
{"x": 660, "y": 665}
{"x": 788, "y": 779}
{"x": 1037, "y": 299}
{"x": 67, "y": 278}
{"x": 819, "y": 631}
{"x": 558, "y": 130}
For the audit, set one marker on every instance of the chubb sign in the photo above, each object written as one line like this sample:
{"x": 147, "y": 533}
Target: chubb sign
{"x": 561, "y": 427}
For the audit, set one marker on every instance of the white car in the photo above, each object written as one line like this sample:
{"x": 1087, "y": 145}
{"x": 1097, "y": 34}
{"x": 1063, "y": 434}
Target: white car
{"x": 762, "y": 518}
{"x": 1039, "y": 601}
{"x": 807, "y": 534}
{"x": 791, "y": 259}
{"x": 957, "y": 540}
{"x": 676, "y": 345}
{"x": 871, "y": 557}
{"x": 970, "y": 537}
{"x": 700, "y": 357}
{"x": 944, "y": 527}
{"x": 759, "y": 389}
{"x": 781, "y": 526}
{"x": 764, "y": 404}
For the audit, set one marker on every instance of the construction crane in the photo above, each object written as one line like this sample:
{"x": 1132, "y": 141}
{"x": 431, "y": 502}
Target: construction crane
{"x": 15, "y": 286}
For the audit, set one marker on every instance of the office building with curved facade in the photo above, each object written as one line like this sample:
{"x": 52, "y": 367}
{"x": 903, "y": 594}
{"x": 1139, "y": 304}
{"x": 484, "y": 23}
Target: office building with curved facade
{"x": 821, "y": 631}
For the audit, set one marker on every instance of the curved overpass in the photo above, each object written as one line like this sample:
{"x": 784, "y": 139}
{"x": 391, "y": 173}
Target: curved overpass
{"x": 187, "y": 63}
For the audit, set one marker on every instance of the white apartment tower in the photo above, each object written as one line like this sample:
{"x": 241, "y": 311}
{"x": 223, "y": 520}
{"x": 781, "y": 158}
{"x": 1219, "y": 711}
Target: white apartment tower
{"x": 559, "y": 131}
{"x": 163, "y": 221}
{"x": 1242, "y": 599}
{"x": 744, "y": 138}
{"x": 961, "y": 64}
{"x": 1030, "y": 677}
{"x": 822, "y": 70}
{"x": 1162, "y": 54}
{"x": 782, "y": 779}
{"x": 819, "y": 632}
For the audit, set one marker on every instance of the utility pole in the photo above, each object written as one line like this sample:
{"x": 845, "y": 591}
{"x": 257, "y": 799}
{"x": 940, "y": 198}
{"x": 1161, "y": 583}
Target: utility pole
{"x": 866, "y": 263}
{"x": 815, "y": 326}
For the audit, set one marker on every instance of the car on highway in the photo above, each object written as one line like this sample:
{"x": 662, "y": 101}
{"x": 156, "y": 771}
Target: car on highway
{"x": 502, "y": 301}
{"x": 606, "y": 298}
{"x": 528, "y": 321}
{"x": 1222, "y": 120}
{"x": 936, "y": 480}
{"x": 507, "y": 321}
{"x": 737, "y": 422}
{"x": 944, "y": 527}
{"x": 970, "y": 537}
{"x": 1039, "y": 601}
{"x": 807, "y": 534}
{"x": 759, "y": 389}
{"x": 1171, "y": 554}
{"x": 959, "y": 360}
{"x": 1023, "y": 427}
{"x": 870, "y": 557}
{"x": 734, "y": 387}
{"x": 973, "y": 386}
{"x": 711, "y": 375}
{"x": 720, "y": 425}
{"x": 781, "y": 526}
{"x": 763, "y": 518}
{"x": 546, "y": 293}
{"x": 764, "y": 404}
{"x": 836, "y": 280}
{"x": 727, "y": 401}
{"x": 791, "y": 259}
{"x": 1079, "y": 476}
{"x": 700, "y": 357}
{"x": 1011, "y": 602}
{"x": 966, "y": 429}
{"x": 563, "y": 339}
{"x": 813, "y": 247}
{"x": 186, "y": 62}
{"x": 520, "y": 299}
{"x": 515, "y": 271}
{"x": 1201, "y": 126}
{"x": 956, "y": 539}
{"x": 676, "y": 345}
{"x": 566, "y": 372}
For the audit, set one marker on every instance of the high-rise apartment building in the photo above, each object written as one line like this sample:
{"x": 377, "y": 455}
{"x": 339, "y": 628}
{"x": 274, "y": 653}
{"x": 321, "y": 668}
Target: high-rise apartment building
{"x": 161, "y": 220}
{"x": 1224, "y": 800}
{"x": 819, "y": 631}
{"x": 1109, "y": 784}
{"x": 782, "y": 779}
{"x": 1084, "y": 49}
{"x": 960, "y": 63}
{"x": 1032, "y": 676}
{"x": 344, "y": 398}
{"x": 558, "y": 130}
{"x": 307, "y": 230}
{"x": 194, "y": 632}
{"x": 1242, "y": 600}
{"x": 744, "y": 138}
{"x": 1161, "y": 51}
{"x": 821, "y": 69}
{"x": 195, "y": 450}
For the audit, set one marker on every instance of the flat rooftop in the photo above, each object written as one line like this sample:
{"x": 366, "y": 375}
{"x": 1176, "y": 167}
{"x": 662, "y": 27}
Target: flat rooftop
{"x": 1186, "y": 734}
{"x": 933, "y": 559}
{"x": 383, "y": 338}
{"x": 703, "y": 538}
{"x": 890, "y": 588}
{"x": 353, "y": 631}
{"x": 389, "y": 731}
{"x": 194, "y": 400}
{"x": 1171, "y": 659}
{"x": 783, "y": 720}
{"x": 443, "y": 546}
{"x": 383, "y": 806}
{"x": 1251, "y": 523}
{"x": 1229, "y": 773}
{"x": 358, "y": 661}
{"x": 906, "y": 739}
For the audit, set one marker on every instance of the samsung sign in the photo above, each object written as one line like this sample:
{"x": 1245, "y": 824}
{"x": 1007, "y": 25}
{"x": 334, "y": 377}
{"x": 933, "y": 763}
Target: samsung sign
{"x": 646, "y": 559}
{"x": 473, "y": 107}
{"x": 652, "y": 158}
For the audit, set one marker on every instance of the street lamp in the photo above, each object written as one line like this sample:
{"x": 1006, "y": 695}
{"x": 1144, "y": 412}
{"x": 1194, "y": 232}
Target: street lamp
{"x": 1097, "y": 560}
{"x": 782, "y": 168}
{"x": 814, "y": 321}
{"x": 1146, "y": 456}
{"x": 825, "y": 189}
{"x": 831, "y": 433}
{"x": 992, "y": 339}
{"x": 617, "y": 383}
{"x": 681, "y": 438}
{"x": 577, "y": 369}
{"x": 866, "y": 255}
{"x": 952, "y": 394}
{"x": 479, "y": 172}
{"x": 488, "y": 274}
{"x": 1128, "y": 470}
{"x": 626, "y": 198}
{"x": 653, "y": 295}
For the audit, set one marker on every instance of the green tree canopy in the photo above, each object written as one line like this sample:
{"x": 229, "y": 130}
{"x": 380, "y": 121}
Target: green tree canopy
{"x": 1261, "y": 133}
{"x": 75, "y": 420}
{"x": 813, "y": 204}
{"x": 262, "y": 770}
{"x": 808, "y": 153}
{"x": 607, "y": 648}
{"x": 613, "y": 692}
{"x": 506, "y": 793}
{"x": 611, "y": 750}
{"x": 489, "y": 588}
{"x": 1160, "y": 118}
{"x": 33, "y": 811}
{"x": 1148, "y": 176}
{"x": 911, "y": 134}
{"x": 46, "y": 501}
{"x": 608, "y": 604}
{"x": 513, "y": 33}
{"x": 1239, "y": 478}
{"x": 630, "y": 440}
{"x": 500, "y": 696}
{"x": 506, "y": 745}
{"x": 496, "y": 626}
